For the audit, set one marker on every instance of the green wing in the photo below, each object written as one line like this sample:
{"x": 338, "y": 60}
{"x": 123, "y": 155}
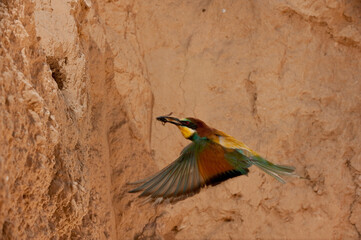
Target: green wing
{"x": 180, "y": 177}
{"x": 201, "y": 162}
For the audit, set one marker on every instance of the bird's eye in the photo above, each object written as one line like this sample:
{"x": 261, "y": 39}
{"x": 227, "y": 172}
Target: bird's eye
{"x": 186, "y": 123}
{"x": 189, "y": 124}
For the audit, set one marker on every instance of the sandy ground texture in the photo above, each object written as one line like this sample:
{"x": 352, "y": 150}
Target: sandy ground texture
{"x": 81, "y": 82}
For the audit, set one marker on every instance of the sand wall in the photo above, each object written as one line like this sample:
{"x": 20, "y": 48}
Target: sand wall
{"x": 81, "y": 83}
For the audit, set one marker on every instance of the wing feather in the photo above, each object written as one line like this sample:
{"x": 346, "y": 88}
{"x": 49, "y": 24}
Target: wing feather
{"x": 201, "y": 162}
{"x": 159, "y": 181}
{"x": 153, "y": 179}
{"x": 166, "y": 182}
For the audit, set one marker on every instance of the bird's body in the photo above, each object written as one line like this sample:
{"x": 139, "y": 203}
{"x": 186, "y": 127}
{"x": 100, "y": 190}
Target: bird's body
{"x": 212, "y": 157}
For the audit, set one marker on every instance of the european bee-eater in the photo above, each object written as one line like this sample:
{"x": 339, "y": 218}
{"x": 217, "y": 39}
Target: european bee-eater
{"x": 212, "y": 157}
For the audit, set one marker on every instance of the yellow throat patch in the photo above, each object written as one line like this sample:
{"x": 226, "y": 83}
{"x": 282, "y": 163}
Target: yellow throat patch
{"x": 186, "y": 132}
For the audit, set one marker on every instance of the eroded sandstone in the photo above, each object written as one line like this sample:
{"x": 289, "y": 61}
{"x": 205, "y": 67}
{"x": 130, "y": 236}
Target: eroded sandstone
{"x": 82, "y": 81}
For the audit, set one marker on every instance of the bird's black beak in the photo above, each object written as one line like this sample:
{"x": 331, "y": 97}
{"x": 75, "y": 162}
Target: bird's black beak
{"x": 169, "y": 119}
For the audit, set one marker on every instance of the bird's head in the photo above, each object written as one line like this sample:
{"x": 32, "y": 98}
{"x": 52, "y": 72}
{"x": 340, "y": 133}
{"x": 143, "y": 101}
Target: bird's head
{"x": 189, "y": 127}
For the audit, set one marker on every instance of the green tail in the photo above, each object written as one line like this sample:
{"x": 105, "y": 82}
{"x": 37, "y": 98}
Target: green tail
{"x": 274, "y": 170}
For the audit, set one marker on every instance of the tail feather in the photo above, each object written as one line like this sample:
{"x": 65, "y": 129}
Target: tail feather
{"x": 274, "y": 170}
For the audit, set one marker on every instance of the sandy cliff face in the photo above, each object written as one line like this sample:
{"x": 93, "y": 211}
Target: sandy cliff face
{"x": 82, "y": 81}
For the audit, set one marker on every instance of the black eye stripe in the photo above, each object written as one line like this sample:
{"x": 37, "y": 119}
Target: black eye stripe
{"x": 189, "y": 124}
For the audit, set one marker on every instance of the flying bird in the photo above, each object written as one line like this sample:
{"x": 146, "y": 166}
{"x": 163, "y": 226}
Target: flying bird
{"x": 211, "y": 157}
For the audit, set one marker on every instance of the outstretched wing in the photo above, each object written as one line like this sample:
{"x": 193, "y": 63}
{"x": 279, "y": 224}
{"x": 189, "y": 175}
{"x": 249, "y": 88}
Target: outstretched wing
{"x": 181, "y": 176}
{"x": 201, "y": 162}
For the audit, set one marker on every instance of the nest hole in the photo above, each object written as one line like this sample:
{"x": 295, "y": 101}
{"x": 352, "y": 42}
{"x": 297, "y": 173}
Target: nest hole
{"x": 56, "y": 71}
